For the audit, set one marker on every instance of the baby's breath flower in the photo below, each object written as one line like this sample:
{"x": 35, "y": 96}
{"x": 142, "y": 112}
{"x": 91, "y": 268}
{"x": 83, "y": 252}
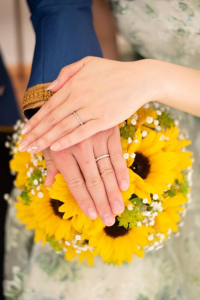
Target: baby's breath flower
{"x": 35, "y": 182}
{"x": 132, "y": 155}
{"x": 144, "y": 133}
{"x": 149, "y": 120}
{"x": 126, "y": 155}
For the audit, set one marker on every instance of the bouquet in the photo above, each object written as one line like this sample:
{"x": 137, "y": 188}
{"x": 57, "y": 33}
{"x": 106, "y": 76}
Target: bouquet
{"x": 159, "y": 170}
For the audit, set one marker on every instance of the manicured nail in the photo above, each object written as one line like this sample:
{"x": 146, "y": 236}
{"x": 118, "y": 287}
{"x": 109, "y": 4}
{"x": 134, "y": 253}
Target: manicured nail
{"x": 55, "y": 147}
{"x": 27, "y": 128}
{"x": 23, "y": 145}
{"x": 124, "y": 185}
{"x": 109, "y": 219}
{"x": 117, "y": 207}
{"x": 52, "y": 85}
{"x": 32, "y": 149}
{"x": 92, "y": 213}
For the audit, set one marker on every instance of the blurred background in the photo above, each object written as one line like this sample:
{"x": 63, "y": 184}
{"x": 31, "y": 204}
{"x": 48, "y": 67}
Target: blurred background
{"x": 17, "y": 43}
{"x": 16, "y": 52}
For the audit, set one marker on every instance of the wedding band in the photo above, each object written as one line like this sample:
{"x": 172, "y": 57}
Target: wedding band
{"x": 103, "y": 156}
{"x": 75, "y": 114}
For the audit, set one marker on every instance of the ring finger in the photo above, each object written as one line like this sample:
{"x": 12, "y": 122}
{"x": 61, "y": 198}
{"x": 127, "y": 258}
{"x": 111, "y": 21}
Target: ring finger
{"x": 109, "y": 179}
{"x": 95, "y": 184}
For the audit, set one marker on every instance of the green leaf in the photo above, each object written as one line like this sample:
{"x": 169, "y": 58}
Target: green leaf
{"x": 127, "y": 131}
{"x": 136, "y": 201}
{"x": 54, "y": 244}
{"x": 183, "y": 187}
{"x": 37, "y": 174}
{"x": 171, "y": 192}
{"x": 25, "y": 196}
{"x": 165, "y": 120}
{"x": 129, "y": 218}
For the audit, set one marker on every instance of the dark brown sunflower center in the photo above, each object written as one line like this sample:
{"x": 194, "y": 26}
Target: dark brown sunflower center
{"x": 115, "y": 230}
{"x": 55, "y": 204}
{"x": 141, "y": 165}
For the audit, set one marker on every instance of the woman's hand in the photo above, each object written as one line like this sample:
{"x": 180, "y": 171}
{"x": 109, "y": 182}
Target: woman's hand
{"x": 102, "y": 92}
{"x": 97, "y": 190}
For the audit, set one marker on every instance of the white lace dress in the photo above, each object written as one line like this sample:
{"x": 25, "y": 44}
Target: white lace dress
{"x": 166, "y": 30}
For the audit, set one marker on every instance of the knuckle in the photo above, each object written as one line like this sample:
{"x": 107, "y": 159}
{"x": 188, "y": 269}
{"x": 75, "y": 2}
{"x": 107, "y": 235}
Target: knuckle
{"x": 107, "y": 171}
{"x": 34, "y": 122}
{"x": 44, "y": 142}
{"x": 82, "y": 147}
{"x": 81, "y": 132}
{"x": 103, "y": 206}
{"x": 48, "y": 106}
{"x": 94, "y": 182}
{"x": 84, "y": 202}
{"x": 117, "y": 155}
{"x": 49, "y": 164}
{"x": 63, "y": 127}
{"x": 32, "y": 136}
{"x": 63, "y": 71}
{"x": 75, "y": 183}
{"x": 50, "y": 120}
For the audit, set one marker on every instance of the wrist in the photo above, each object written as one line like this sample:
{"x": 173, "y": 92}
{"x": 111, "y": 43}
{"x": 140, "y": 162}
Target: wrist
{"x": 147, "y": 75}
{"x": 157, "y": 80}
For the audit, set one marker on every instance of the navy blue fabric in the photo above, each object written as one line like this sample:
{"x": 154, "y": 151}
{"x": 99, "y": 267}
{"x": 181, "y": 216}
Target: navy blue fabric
{"x": 64, "y": 34}
{"x": 9, "y": 113}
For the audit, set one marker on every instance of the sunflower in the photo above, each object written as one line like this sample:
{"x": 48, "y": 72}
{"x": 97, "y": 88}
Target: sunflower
{"x": 48, "y": 216}
{"x": 174, "y": 144}
{"x": 116, "y": 244}
{"x": 26, "y": 216}
{"x": 168, "y": 218}
{"x": 83, "y": 252}
{"x": 19, "y": 164}
{"x": 71, "y": 209}
{"x": 143, "y": 118}
{"x": 153, "y": 168}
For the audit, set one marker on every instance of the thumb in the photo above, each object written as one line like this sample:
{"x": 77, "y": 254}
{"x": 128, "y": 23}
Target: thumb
{"x": 67, "y": 72}
{"x": 51, "y": 169}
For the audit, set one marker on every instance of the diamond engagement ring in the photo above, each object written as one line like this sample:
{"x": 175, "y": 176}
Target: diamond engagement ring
{"x": 103, "y": 156}
{"x": 77, "y": 117}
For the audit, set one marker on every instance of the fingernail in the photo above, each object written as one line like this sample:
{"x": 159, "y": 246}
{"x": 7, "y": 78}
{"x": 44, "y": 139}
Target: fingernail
{"x": 92, "y": 213}
{"x": 124, "y": 185}
{"x": 23, "y": 145}
{"x": 26, "y": 129}
{"x": 52, "y": 85}
{"x": 55, "y": 147}
{"x": 109, "y": 219}
{"x": 117, "y": 207}
{"x": 32, "y": 149}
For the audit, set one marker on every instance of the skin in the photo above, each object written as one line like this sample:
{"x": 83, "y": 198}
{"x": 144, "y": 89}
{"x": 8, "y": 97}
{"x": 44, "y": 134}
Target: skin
{"x": 122, "y": 85}
{"x": 120, "y": 90}
{"x": 99, "y": 192}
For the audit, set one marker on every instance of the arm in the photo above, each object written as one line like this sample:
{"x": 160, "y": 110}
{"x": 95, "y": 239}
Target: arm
{"x": 178, "y": 87}
{"x": 105, "y": 29}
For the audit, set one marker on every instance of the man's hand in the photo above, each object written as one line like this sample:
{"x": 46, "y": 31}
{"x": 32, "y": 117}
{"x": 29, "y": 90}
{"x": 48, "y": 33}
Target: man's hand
{"x": 97, "y": 190}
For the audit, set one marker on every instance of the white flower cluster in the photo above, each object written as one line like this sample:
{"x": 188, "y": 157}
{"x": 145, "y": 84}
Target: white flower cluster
{"x": 150, "y": 215}
{"x": 78, "y": 244}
